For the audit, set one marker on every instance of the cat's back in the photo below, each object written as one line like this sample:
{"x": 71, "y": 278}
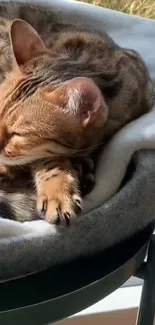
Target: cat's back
{"x": 45, "y": 21}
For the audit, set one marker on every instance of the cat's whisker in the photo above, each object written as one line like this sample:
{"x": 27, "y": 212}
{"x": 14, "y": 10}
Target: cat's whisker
{"x": 86, "y": 150}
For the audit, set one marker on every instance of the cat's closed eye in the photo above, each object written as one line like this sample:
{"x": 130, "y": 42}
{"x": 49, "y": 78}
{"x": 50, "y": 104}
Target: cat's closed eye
{"x": 12, "y": 134}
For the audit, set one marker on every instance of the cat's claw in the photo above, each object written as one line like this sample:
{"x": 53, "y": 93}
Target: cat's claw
{"x": 77, "y": 202}
{"x": 61, "y": 219}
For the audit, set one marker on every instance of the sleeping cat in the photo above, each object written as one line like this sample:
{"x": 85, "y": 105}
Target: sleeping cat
{"x": 64, "y": 91}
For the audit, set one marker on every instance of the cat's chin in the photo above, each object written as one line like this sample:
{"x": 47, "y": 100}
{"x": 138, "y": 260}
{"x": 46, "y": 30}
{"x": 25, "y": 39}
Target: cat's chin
{"x": 16, "y": 161}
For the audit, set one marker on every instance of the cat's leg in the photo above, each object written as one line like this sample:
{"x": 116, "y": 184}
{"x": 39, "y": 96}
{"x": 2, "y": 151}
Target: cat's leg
{"x": 7, "y": 173}
{"x": 14, "y": 177}
{"x": 58, "y": 195}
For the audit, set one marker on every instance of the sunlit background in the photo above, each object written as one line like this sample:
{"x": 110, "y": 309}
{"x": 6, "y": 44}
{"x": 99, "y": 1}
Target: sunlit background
{"x": 145, "y": 8}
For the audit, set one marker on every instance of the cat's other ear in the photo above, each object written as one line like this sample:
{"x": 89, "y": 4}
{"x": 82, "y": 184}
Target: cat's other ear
{"x": 80, "y": 97}
{"x": 26, "y": 43}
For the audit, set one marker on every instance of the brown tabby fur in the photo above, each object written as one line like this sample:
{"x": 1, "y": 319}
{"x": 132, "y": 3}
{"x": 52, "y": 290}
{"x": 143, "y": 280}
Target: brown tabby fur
{"x": 40, "y": 87}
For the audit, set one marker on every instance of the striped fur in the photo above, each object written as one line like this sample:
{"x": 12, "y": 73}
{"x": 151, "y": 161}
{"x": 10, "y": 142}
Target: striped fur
{"x": 43, "y": 90}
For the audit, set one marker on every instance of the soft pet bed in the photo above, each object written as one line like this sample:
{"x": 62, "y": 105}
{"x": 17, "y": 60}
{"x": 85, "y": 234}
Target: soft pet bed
{"x": 33, "y": 246}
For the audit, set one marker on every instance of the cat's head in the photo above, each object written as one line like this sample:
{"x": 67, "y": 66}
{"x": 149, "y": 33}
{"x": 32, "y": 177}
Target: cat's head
{"x": 38, "y": 117}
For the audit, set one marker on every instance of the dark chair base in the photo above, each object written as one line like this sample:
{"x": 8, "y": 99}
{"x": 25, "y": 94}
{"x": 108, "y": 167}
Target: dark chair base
{"x": 147, "y": 305}
{"x": 59, "y": 292}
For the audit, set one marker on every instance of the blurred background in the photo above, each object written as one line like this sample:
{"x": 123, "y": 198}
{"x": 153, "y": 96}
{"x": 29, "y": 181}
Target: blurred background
{"x": 144, "y": 8}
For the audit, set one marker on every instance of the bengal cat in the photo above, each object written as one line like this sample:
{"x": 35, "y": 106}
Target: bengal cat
{"x": 64, "y": 90}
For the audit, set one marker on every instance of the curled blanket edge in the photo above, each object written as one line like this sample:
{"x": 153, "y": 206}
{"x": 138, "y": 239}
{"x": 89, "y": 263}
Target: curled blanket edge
{"x": 137, "y": 135}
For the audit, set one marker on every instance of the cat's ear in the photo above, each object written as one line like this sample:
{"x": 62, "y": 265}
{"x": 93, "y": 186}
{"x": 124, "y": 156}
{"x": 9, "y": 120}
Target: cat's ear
{"x": 85, "y": 98}
{"x": 26, "y": 43}
{"x": 80, "y": 97}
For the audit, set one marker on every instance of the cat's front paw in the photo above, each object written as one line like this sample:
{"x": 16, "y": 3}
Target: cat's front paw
{"x": 59, "y": 210}
{"x": 86, "y": 174}
{"x": 59, "y": 200}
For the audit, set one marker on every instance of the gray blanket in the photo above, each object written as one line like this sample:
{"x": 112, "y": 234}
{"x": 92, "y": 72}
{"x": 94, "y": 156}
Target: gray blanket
{"x": 130, "y": 210}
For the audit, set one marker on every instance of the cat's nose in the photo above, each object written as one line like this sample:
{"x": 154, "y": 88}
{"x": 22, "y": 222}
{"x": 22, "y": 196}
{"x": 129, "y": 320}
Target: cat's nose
{"x": 10, "y": 151}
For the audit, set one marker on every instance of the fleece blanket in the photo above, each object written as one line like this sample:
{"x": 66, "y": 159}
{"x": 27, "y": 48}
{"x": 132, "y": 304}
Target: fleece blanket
{"x": 110, "y": 215}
